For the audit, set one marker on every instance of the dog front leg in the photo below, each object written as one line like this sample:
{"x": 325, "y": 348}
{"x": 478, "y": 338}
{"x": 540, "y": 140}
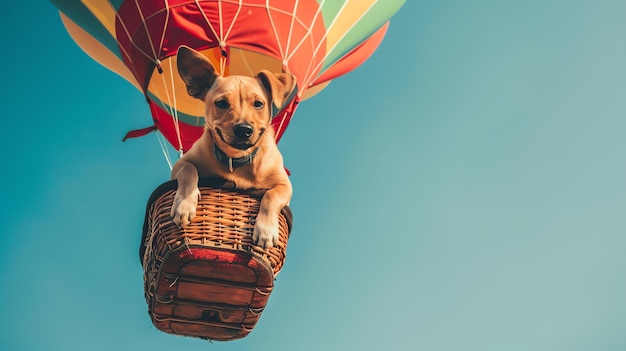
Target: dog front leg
{"x": 187, "y": 195}
{"x": 266, "y": 226}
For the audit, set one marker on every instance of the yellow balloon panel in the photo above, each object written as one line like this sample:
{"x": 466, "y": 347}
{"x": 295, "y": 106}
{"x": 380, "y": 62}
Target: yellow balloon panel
{"x": 97, "y": 51}
{"x": 104, "y": 12}
{"x": 350, "y": 15}
{"x": 170, "y": 92}
{"x": 310, "y": 92}
{"x": 248, "y": 63}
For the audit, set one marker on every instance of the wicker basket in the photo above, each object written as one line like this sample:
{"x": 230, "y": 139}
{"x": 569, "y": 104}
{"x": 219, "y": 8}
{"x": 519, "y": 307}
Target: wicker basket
{"x": 207, "y": 279}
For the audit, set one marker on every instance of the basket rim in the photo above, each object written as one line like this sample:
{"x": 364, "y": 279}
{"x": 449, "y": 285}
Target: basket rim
{"x": 215, "y": 183}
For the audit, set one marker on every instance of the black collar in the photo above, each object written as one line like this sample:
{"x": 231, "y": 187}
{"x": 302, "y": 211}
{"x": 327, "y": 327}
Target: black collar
{"x": 233, "y": 163}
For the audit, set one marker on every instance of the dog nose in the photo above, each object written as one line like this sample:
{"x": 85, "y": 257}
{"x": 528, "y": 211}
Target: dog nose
{"x": 243, "y": 130}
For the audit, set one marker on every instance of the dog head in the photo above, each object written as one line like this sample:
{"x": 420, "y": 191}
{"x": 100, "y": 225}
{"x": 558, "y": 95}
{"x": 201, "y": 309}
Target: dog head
{"x": 238, "y": 109}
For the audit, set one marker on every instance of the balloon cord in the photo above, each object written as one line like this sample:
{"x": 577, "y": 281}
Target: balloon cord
{"x": 163, "y": 145}
{"x": 145, "y": 27}
{"x": 175, "y": 111}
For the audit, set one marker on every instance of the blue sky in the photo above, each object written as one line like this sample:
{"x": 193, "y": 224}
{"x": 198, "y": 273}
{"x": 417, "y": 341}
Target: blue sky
{"x": 464, "y": 189}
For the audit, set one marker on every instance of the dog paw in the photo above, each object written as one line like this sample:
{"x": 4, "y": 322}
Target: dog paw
{"x": 184, "y": 208}
{"x": 265, "y": 233}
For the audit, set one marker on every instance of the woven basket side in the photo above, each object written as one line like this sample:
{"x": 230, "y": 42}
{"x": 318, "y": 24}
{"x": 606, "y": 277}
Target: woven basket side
{"x": 224, "y": 219}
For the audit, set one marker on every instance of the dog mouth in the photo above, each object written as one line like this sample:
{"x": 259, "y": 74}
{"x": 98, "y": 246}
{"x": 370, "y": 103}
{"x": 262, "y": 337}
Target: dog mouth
{"x": 239, "y": 145}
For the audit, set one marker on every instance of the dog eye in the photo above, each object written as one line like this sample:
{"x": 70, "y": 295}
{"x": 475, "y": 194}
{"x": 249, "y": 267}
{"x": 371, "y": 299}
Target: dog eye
{"x": 258, "y": 104}
{"x": 222, "y": 104}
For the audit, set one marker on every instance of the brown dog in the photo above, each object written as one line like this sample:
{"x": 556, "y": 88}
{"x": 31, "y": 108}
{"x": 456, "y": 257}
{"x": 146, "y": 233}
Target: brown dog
{"x": 238, "y": 141}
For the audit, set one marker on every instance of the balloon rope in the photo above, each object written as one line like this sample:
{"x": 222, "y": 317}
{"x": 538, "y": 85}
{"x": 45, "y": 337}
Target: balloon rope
{"x": 309, "y": 31}
{"x": 232, "y": 23}
{"x": 245, "y": 63}
{"x": 278, "y": 133}
{"x": 130, "y": 38}
{"x": 145, "y": 27}
{"x": 174, "y": 109}
{"x": 309, "y": 34}
{"x": 222, "y": 64}
{"x": 310, "y": 71}
{"x": 219, "y": 13}
{"x": 167, "y": 20}
{"x": 293, "y": 19}
{"x": 222, "y": 40}
{"x": 269, "y": 16}
{"x": 163, "y": 145}
{"x": 206, "y": 19}
{"x": 286, "y": 114}
{"x": 170, "y": 105}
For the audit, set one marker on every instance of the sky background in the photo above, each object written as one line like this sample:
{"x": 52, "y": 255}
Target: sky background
{"x": 464, "y": 189}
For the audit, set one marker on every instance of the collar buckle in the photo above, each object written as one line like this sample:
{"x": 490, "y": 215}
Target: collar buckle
{"x": 233, "y": 163}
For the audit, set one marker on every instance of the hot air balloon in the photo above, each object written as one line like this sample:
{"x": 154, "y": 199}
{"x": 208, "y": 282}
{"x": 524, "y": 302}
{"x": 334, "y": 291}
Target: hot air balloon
{"x": 315, "y": 40}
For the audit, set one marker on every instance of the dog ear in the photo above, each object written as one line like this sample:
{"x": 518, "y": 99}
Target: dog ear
{"x": 279, "y": 85}
{"x": 196, "y": 70}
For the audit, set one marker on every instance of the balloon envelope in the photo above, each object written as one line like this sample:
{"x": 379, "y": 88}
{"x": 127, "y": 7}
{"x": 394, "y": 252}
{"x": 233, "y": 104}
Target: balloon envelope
{"x": 315, "y": 40}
